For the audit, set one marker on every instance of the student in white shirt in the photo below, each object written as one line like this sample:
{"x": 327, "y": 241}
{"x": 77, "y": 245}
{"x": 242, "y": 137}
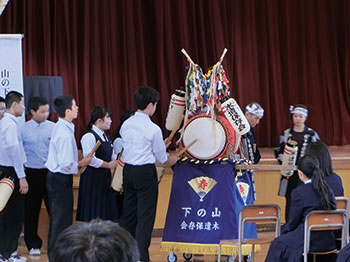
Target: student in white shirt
{"x": 2, "y": 107}
{"x": 12, "y": 158}
{"x": 96, "y": 197}
{"x": 143, "y": 145}
{"x": 36, "y": 136}
{"x": 62, "y": 163}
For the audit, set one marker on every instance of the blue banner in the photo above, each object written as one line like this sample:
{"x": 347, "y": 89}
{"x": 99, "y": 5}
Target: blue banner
{"x": 205, "y": 202}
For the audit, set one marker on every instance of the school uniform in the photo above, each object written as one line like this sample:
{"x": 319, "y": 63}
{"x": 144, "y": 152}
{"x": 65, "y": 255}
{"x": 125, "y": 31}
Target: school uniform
{"x": 96, "y": 198}
{"x": 143, "y": 145}
{"x": 36, "y": 140}
{"x": 335, "y": 183}
{"x": 62, "y": 163}
{"x": 12, "y": 159}
{"x": 289, "y": 246}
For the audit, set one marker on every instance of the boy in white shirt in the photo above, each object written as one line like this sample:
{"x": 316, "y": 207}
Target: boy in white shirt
{"x": 62, "y": 163}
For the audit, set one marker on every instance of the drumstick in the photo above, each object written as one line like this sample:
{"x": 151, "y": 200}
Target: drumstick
{"x": 186, "y": 148}
{"x": 170, "y": 137}
{"x": 96, "y": 146}
{"x": 222, "y": 56}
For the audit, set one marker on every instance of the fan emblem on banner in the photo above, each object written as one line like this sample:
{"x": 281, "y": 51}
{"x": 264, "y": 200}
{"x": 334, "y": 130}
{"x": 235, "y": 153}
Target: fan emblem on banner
{"x": 202, "y": 186}
{"x": 243, "y": 190}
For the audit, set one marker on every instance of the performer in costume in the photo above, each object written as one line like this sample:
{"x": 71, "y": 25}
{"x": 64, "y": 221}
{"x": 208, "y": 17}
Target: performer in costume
{"x": 249, "y": 150}
{"x": 303, "y": 135}
{"x": 36, "y": 136}
{"x": 312, "y": 194}
{"x": 254, "y": 112}
{"x": 143, "y": 145}
{"x": 96, "y": 198}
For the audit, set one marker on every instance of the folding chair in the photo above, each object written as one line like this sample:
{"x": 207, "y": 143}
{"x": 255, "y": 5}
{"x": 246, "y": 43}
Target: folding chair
{"x": 343, "y": 204}
{"x": 259, "y": 214}
{"x": 322, "y": 220}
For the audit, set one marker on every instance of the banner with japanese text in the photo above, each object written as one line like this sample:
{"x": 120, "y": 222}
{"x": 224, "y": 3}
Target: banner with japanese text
{"x": 205, "y": 202}
{"x": 11, "y": 73}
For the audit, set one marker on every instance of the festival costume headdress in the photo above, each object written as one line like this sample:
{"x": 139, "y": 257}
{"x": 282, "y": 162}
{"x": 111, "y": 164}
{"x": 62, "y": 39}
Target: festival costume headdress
{"x": 298, "y": 110}
{"x": 255, "y": 109}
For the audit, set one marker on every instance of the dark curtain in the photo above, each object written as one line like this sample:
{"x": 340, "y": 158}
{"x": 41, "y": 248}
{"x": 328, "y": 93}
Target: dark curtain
{"x": 279, "y": 52}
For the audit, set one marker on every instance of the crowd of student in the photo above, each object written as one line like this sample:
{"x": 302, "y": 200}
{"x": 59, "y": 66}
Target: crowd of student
{"x": 41, "y": 158}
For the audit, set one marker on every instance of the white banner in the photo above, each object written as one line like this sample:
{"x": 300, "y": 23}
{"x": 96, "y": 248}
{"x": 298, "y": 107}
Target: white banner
{"x": 11, "y": 74}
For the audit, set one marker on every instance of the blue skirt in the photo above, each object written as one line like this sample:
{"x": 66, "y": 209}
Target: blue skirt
{"x": 96, "y": 198}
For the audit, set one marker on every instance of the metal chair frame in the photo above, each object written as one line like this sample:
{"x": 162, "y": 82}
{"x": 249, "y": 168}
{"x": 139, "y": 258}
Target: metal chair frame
{"x": 258, "y": 218}
{"x": 325, "y": 217}
{"x": 343, "y": 204}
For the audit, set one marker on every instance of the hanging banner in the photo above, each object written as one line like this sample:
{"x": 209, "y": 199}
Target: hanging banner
{"x": 204, "y": 207}
{"x": 11, "y": 73}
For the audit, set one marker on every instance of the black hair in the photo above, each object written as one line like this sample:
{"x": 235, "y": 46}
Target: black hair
{"x": 2, "y": 99}
{"x": 98, "y": 112}
{"x": 320, "y": 150}
{"x": 12, "y": 97}
{"x": 62, "y": 103}
{"x": 125, "y": 115}
{"x": 96, "y": 241}
{"x": 309, "y": 165}
{"x": 37, "y": 101}
{"x": 144, "y": 95}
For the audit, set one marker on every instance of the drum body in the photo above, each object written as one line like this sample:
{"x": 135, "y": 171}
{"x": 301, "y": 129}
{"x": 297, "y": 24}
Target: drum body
{"x": 117, "y": 181}
{"x": 176, "y": 111}
{"x": 6, "y": 189}
{"x": 289, "y": 156}
{"x": 214, "y": 137}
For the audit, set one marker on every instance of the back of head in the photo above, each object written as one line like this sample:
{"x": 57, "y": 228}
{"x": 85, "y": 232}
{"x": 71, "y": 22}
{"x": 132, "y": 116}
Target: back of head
{"x": 2, "y": 99}
{"x": 37, "y": 101}
{"x": 12, "y": 97}
{"x": 144, "y": 95}
{"x": 96, "y": 241}
{"x": 124, "y": 116}
{"x": 320, "y": 150}
{"x": 98, "y": 112}
{"x": 309, "y": 165}
{"x": 62, "y": 103}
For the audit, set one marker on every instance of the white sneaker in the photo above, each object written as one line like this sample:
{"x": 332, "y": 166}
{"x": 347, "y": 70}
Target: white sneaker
{"x": 16, "y": 258}
{"x": 34, "y": 252}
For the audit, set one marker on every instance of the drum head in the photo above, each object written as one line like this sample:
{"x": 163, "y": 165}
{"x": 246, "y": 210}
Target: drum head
{"x": 210, "y": 135}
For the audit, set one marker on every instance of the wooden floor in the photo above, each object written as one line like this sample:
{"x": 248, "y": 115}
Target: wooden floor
{"x": 155, "y": 253}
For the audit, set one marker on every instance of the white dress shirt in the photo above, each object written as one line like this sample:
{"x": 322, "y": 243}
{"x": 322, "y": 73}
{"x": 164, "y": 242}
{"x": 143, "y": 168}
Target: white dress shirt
{"x": 11, "y": 146}
{"x": 142, "y": 141}
{"x": 36, "y": 140}
{"x": 63, "y": 152}
{"x": 118, "y": 145}
{"x": 88, "y": 142}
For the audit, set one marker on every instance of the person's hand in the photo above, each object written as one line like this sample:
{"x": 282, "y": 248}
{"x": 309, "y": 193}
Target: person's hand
{"x": 23, "y": 186}
{"x": 167, "y": 142}
{"x": 112, "y": 164}
{"x": 172, "y": 158}
{"x": 85, "y": 161}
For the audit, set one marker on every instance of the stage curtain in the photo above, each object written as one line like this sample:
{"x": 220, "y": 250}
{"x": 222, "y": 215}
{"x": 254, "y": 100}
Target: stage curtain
{"x": 279, "y": 52}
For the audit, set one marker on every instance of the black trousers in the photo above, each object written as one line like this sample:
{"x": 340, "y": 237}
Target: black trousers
{"x": 60, "y": 194}
{"x": 140, "y": 186}
{"x": 12, "y": 216}
{"x": 37, "y": 192}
